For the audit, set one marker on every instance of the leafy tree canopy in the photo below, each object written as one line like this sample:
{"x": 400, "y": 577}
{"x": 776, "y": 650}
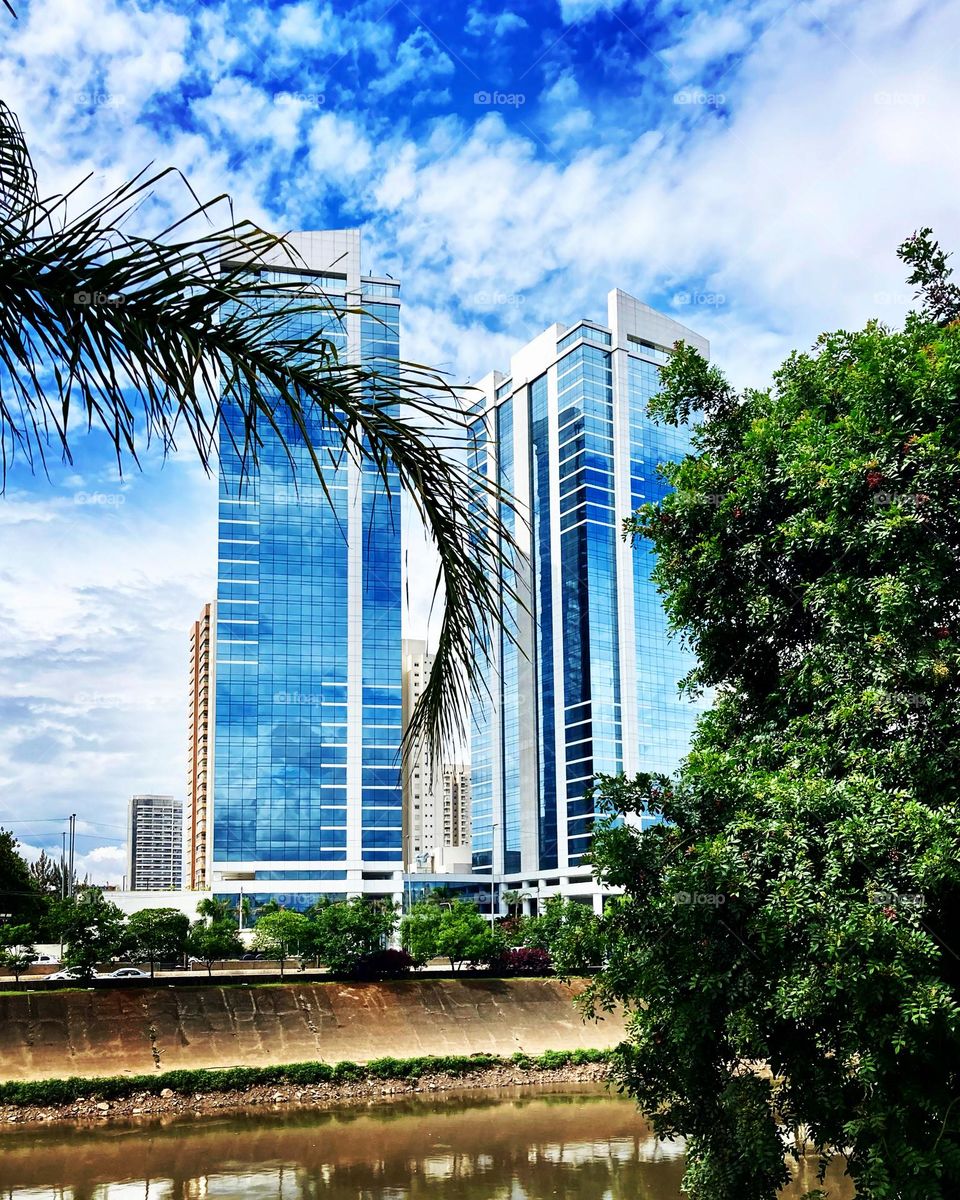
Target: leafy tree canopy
{"x": 17, "y": 951}
{"x": 282, "y": 934}
{"x": 789, "y": 938}
{"x": 157, "y": 934}
{"x": 571, "y": 932}
{"x": 91, "y": 928}
{"x": 19, "y": 896}
{"x": 344, "y": 933}
{"x": 457, "y": 931}
{"x": 213, "y": 942}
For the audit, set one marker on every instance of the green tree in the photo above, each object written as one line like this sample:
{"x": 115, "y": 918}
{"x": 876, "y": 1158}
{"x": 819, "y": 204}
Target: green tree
{"x": 91, "y": 928}
{"x": 216, "y": 910}
{"x": 281, "y": 934}
{"x": 458, "y": 932}
{"x": 157, "y": 934}
{"x": 19, "y": 895}
{"x": 213, "y": 942}
{"x": 789, "y": 938}
{"x": 47, "y": 875}
{"x": 17, "y": 951}
{"x": 345, "y": 932}
{"x": 152, "y": 339}
{"x": 571, "y": 932}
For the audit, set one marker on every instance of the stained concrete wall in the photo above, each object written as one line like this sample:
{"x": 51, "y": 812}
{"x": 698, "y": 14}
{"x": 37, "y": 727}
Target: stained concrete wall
{"x": 142, "y": 1030}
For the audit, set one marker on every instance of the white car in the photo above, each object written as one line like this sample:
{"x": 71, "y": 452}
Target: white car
{"x": 71, "y": 973}
{"x": 46, "y": 961}
{"x": 125, "y": 973}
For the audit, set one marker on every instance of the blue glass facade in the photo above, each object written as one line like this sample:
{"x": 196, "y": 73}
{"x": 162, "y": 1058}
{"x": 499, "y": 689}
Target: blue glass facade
{"x": 664, "y": 723}
{"x": 542, "y": 494}
{"x": 588, "y": 533}
{"x": 510, "y": 698}
{"x": 602, "y": 690}
{"x": 484, "y": 709}
{"x": 308, "y": 650}
{"x": 382, "y": 795}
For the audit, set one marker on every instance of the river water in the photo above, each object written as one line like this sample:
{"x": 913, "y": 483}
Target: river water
{"x": 572, "y": 1144}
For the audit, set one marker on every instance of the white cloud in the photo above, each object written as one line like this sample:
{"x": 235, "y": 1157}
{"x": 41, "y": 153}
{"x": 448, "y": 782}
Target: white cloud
{"x": 306, "y": 26}
{"x": 417, "y": 60}
{"x": 786, "y": 200}
{"x": 708, "y": 37}
{"x": 337, "y": 147}
{"x": 572, "y": 11}
{"x": 493, "y": 24}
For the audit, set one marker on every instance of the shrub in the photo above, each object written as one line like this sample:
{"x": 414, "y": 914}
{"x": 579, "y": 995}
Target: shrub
{"x": 116, "y": 1087}
{"x": 384, "y": 964}
{"x": 522, "y": 960}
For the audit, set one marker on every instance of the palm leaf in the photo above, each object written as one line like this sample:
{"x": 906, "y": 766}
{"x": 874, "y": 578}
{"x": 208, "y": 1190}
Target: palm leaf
{"x": 153, "y": 339}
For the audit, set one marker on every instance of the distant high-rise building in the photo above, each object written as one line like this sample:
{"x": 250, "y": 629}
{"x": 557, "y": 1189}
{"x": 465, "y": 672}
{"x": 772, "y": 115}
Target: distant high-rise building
{"x": 307, "y": 796}
{"x": 154, "y": 844}
{"x": 455, "y": 806}
{"x": 589, "y": 684}
{"x": 419, "y": 811}
{"x": 436, "y": 799}
{"x": 199, "y": 746}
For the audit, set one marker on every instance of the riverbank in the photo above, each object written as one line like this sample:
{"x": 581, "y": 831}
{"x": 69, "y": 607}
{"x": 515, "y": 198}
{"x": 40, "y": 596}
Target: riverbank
{"x": 149, "y": 1030}
{"x": 94, "y": 1107}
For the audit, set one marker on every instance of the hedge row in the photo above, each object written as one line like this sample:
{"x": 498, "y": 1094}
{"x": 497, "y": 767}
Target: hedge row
{"x": 116, "y": 1087}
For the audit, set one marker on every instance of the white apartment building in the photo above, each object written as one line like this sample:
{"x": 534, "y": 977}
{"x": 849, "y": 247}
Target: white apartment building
{"x": 436, "y": 799}
{"x": 154, "y": 844}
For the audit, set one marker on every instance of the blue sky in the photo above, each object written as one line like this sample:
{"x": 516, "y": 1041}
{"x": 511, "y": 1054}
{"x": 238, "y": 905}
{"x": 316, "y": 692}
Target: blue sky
{"x": 748, "y": 167}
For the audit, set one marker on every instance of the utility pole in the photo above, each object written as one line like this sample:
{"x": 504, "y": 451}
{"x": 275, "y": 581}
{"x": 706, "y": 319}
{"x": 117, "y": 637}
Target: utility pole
{"x": 63, "y": 865}
{"x": 73, "y": 843}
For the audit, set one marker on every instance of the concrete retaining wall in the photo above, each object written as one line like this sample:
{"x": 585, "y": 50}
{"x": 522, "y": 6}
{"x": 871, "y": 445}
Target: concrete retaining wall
{"x": 141, "y": 1030}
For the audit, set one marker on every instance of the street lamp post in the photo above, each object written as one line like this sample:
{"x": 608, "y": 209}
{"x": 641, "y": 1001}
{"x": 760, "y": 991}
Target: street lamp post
{"x": 493, "y": 863}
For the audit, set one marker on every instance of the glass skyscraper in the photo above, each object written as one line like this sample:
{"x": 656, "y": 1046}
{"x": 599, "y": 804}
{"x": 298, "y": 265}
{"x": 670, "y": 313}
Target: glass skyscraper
{"x": 307, "y": 715}
{"x": 590, "y": 684}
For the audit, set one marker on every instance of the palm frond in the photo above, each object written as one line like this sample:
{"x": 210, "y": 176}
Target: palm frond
{"x": 155, "y": 339}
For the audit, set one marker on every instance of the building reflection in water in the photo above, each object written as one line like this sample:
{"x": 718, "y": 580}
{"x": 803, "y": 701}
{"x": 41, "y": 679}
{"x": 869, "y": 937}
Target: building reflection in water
{"x": 555, "y": 1146}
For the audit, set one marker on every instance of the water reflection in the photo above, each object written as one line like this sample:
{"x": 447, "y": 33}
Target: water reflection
{"x": 569, "y": 1145}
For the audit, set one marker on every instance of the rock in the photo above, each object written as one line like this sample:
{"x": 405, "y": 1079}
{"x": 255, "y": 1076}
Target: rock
{"x": 278, "y": 1097}
{"x": 167, "y": 1094}
{"x": 103, "y": 1106}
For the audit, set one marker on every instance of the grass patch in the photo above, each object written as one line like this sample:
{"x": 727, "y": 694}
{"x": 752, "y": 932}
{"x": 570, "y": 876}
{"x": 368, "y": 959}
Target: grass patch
{"x": 43, "y": 1092}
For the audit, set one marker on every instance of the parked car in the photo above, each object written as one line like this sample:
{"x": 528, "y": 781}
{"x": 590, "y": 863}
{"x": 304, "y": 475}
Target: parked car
{"x": 45, "y": 960}
{"x": 125, "y": 973}
{"x": 71, "y": 973}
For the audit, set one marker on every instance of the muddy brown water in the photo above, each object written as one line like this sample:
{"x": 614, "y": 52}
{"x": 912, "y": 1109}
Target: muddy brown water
{"x": 576, "y": 1143}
